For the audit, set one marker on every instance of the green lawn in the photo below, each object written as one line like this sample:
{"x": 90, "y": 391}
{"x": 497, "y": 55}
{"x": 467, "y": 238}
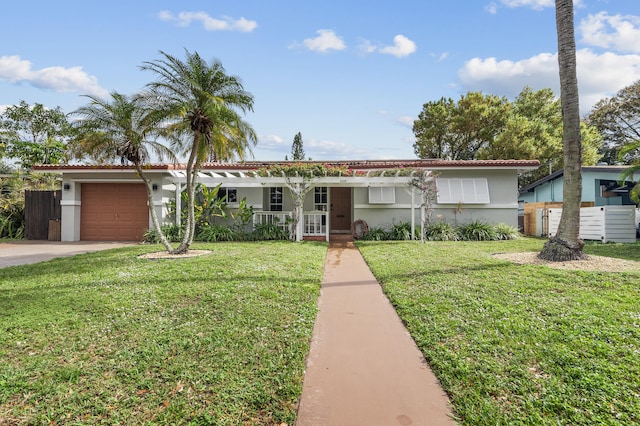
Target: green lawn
{"x": 527, "y": 345}
{"x": 113, "y": 339}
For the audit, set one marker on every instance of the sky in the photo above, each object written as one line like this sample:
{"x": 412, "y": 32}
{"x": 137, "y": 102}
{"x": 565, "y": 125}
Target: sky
{"x": 350, "y": 76}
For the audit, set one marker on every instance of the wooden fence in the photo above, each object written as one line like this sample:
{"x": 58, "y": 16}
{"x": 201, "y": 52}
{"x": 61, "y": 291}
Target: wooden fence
{"x": 42, "y": 214}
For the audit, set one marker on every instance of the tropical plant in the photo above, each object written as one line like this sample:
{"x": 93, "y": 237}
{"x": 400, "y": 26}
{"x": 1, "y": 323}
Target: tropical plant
{"x": 212, "y": 233}
{"x": 122, "y": 127}
{"x": 200, "y": 102}
{"x": 502, "y": 231}
{"x": 400, "y": 231}
{"x": 566, "y": 244}
{"x": 376, "y": 234}
{"x": 269, "y": 231}
{"x": 477, "y": 231}
{"x": 172, "y": 232}
{"x": 441, "y": 231}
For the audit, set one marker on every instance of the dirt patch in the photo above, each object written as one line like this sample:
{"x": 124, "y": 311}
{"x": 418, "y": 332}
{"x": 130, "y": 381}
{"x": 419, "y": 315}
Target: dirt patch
{"x": 166, "y": 255}
{"x": 592, "y": 263}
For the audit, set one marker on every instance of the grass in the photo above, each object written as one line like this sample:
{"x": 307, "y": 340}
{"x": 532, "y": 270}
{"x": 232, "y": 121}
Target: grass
{"x": 525, "y": 345}
{"x": 108, "y": 338}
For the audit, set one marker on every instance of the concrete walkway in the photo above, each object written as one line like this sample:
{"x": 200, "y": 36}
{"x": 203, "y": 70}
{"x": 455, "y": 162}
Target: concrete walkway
{"x": 363, "y": 367}
{"x": 30, "y": 251}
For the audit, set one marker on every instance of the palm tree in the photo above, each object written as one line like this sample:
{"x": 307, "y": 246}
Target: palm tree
{"x": 201, "y": 103}
{"x": 566, "y": 244}
{"x": 121, "y": 127}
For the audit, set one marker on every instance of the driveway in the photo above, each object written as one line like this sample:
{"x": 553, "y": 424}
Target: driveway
{"x": 30, "y": 251}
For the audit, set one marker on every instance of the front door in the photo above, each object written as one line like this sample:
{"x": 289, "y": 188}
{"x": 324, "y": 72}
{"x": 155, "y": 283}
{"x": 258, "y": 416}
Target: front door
{"x": 340, "y": 199}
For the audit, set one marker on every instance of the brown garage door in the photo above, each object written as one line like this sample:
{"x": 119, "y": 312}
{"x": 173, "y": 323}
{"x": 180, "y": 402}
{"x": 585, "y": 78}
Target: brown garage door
{"x": 113, "y": 212}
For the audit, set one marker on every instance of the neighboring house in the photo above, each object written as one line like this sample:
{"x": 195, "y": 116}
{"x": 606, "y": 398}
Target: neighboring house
{"x": 601, "y": 186}
{"x": 108, "y": 202}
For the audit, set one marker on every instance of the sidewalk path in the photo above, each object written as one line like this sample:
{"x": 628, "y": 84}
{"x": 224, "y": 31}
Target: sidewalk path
{"x": 363, "y": 367}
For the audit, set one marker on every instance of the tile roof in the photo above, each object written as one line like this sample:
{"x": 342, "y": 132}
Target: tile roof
{"x": 356, "y": 164}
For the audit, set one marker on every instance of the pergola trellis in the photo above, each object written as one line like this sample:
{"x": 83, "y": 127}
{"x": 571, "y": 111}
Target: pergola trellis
{"x": 298, "y": 183}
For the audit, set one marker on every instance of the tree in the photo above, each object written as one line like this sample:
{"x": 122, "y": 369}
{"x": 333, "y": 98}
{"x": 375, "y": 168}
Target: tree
{"x": 297, "y": 151}
{"x": 200, "y": 102}
{"x": 533, "y": 129}
{"x": 618, "y": 120}
{"x": 122, "y": 127}
{"x": 529, "y": 127}
{"x": 34, "y": 134}
{"x": 566, "y": 244}
{"x": 458, "y": 131}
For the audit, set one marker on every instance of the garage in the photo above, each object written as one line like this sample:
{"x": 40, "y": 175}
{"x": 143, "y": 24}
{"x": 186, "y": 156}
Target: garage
{"x": 113, "y": 212}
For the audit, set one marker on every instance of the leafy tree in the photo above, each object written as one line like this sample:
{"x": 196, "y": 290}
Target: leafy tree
{"x": 530, "y": 127}
{"x": 34, "y": 134}
{"x": 618, "y": 120}
{"x": 202, "y": 103}
{"x": 533, "y": 130}
{"x": 122, "y": 127}
{"x": 297, "y": 151}
{"x": 458, "y": 131}
{"x": 566, "y": 244}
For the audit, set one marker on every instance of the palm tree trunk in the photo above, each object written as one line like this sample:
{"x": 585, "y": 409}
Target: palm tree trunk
{"x": 566, "y": 244}
{"x": 152, "y": 210}
{"x": 191, "y": 172}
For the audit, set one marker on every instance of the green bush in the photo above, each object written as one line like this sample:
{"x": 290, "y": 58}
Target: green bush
{"x": 441, "y": 231}
{"x": 400, "y": 231}
{"x": 506, "y": 232}
{"x": 214, "y": 233}
{"x": 376, "y": 234}
{"x": 477, "y": 231}
{"x": 269, "y": 231}
{"x": 172, "y": 232}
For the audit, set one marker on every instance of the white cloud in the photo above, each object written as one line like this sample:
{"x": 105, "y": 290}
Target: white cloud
{"x": 618, "y": 32}
{"x": 406, "y": 121}
{"x": 325, "y": 41}
{"x": 599, "y": 75}
{"x": 492, "y": 8}
{"x": 402, "y": 47}
{"x": 271, "y": 141}
{"x": 366, "y": 47}
{"x": 225, "y": 23}
{"x": 318, "y": 150}
{"x": 59, "y": 79}
{"x": 533, "y": 4}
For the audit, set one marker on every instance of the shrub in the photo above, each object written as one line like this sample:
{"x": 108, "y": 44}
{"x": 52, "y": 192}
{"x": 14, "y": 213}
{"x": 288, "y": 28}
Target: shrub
{"x": 269, "y": 231}
{"x": 477, "y": 231}
{"x": 400, "y": 231}
{"x": 172, "y": 232}
{"x": 506, "y": 232}
{"x": 214, "y": 233}
{"x": 376, "y": 234}
{"x": 441, "y": 231}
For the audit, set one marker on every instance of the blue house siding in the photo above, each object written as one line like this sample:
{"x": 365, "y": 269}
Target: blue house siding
{"x": 550, "y": 188}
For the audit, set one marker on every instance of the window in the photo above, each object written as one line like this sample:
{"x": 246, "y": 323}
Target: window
{"x": 230, "y": 193}
{"x": 275, "y": 199}
{"x": 320, "y": 198}
{"x": 382, "y": 195}
{"x": 465, "y": 191}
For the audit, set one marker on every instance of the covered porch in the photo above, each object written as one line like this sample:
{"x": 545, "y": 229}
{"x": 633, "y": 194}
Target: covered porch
{"x": 326, "y": 208}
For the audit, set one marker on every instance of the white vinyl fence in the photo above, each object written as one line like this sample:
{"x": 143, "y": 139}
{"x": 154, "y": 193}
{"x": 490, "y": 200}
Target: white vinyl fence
{"x": 604, "y": 223}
